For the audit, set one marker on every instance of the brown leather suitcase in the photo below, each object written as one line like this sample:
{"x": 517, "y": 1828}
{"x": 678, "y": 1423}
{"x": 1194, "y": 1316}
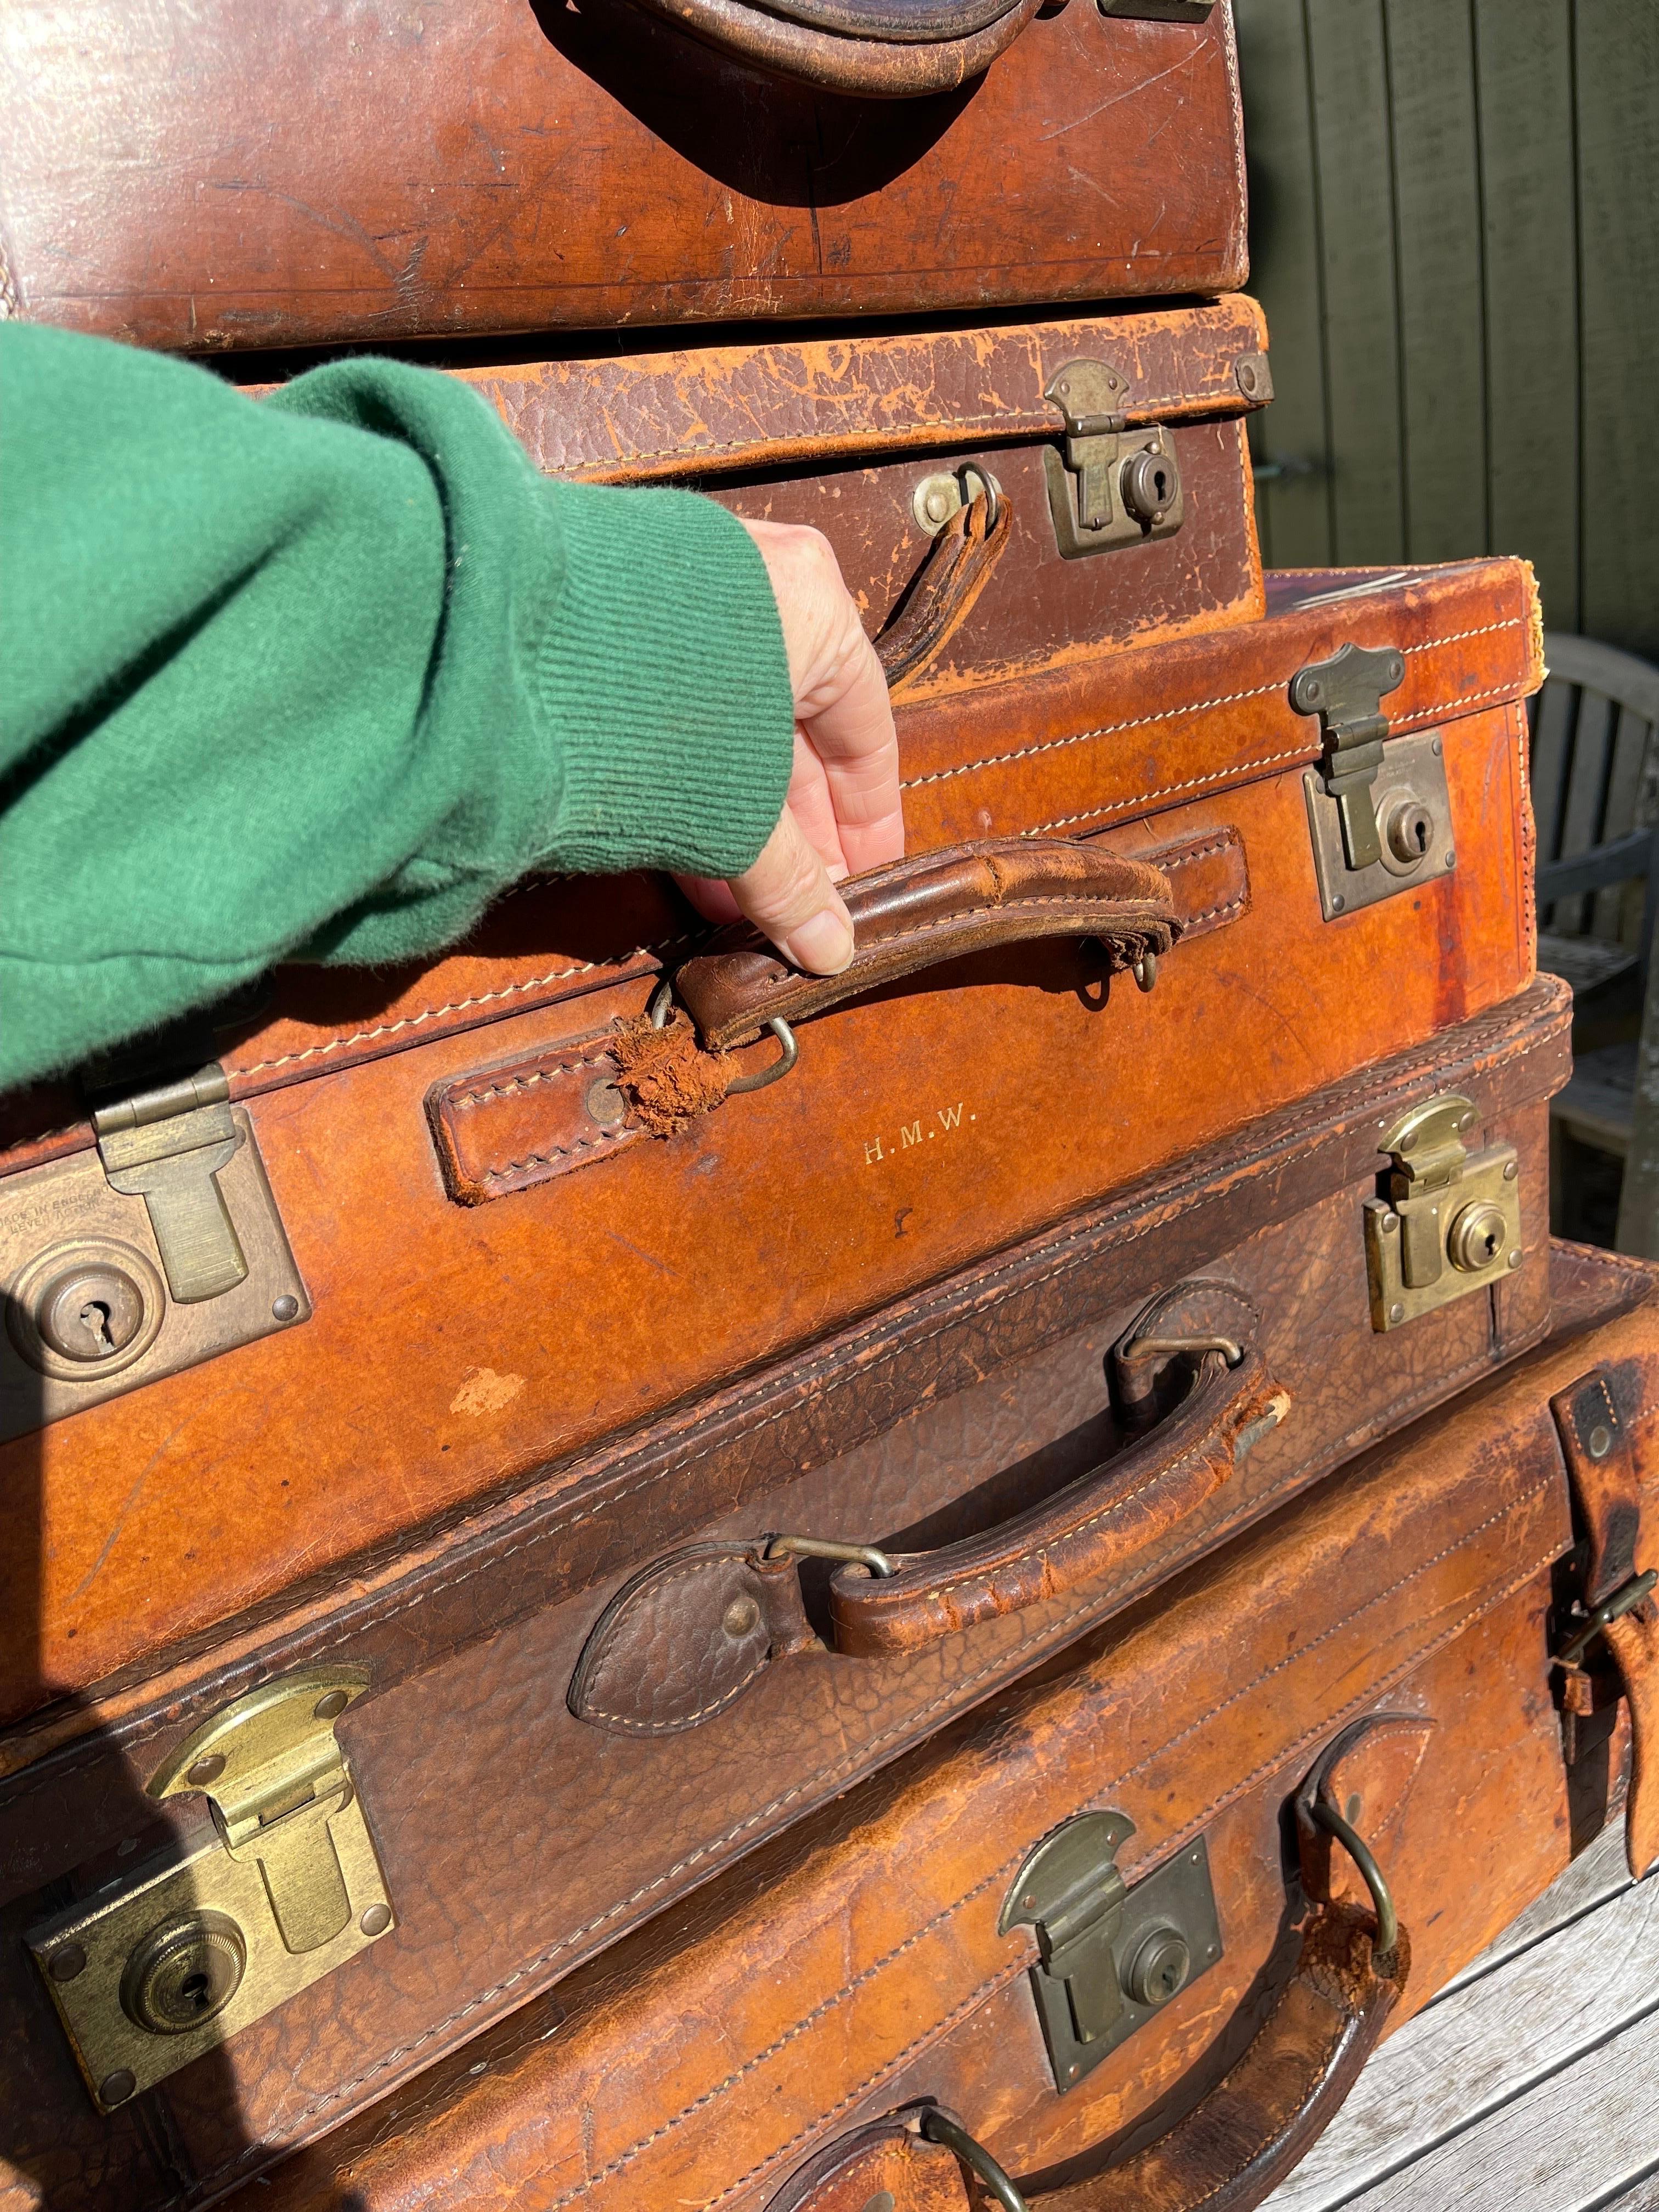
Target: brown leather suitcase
{"x": 617, "y": 1681}
{"x": 233, "y": 175}
{"x": 1145, "y": 1912}
{"x": 440, "y": 1194}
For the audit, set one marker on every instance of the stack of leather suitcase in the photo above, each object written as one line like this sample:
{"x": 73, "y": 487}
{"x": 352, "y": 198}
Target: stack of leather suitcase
{"x": 1003, "y": 1589}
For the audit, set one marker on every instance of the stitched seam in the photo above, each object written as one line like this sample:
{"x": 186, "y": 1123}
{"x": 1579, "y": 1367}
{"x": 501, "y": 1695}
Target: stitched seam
{"x": 554, "y": 1153}
{"x": 811, "y": 1378}
{"x": 461, "y": 1005}
{"x": 1160, "y": 1751}
{"x": 659, "y": 1728}
{"x": 1205, "y": 706}
{"x": 522, "y": 1083}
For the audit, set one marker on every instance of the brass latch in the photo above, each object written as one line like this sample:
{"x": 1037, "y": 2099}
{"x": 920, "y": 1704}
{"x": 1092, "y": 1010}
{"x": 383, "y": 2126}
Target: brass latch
{"x": 1346, "y": 693}
{"x": 167, "y": 1147}
{"x": 1110, "y": 1956}
{"x": 1449, "y": 1221}
{"x": 185, "y": 1952}
{"x": 1113, "y": 486}
{"x": 160, "y": 1249}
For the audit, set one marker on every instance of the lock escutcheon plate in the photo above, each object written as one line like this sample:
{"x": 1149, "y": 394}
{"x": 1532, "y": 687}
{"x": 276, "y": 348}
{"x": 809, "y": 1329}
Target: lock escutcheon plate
{"x": 1413, "y": 807}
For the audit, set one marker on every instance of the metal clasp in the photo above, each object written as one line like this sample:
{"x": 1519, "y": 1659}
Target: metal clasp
{"x": 1112, "y": 486}
{"x": 1450, "y": 1221}
{"x": 1625, "y": 1599}
{"x": 182, "y": 1951}
{"x": 821, "y": 1547}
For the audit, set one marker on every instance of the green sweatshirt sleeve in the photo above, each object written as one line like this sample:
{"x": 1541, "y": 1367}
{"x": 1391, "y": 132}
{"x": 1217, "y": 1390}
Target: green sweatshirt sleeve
{"x": 319, "y": 676}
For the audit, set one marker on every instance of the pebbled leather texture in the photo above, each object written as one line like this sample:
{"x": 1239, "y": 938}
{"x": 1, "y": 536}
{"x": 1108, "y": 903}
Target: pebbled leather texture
{"x": 633, "y": 175}
{"x": 925, "y": 909}
{"x": 1415, "y": 1590}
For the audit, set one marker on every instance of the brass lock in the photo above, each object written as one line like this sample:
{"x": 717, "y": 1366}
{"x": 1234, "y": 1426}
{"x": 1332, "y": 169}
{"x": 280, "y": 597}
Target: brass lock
{"x": 1449, "y": 1221}
{"x": 184, "y": 1952}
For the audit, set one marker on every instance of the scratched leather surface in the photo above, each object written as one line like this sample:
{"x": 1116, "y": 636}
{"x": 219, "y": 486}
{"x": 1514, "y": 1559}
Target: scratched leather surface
{"x": 925, "y": 1126}
{"x": 488, "y": 166}
{"x": 469, "y": 1761}
{"x": 1417, "y": 1585}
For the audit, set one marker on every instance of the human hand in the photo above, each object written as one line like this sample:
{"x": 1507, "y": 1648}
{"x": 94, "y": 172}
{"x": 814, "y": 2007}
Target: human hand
{"x": 843, "y": 813}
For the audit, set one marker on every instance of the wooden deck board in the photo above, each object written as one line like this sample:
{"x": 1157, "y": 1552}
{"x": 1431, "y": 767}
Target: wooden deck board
{"x": 1529, "y": 2084}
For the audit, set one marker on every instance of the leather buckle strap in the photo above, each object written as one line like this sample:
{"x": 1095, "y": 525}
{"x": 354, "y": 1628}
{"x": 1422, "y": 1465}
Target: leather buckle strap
{"x": 1617, "y": 1606}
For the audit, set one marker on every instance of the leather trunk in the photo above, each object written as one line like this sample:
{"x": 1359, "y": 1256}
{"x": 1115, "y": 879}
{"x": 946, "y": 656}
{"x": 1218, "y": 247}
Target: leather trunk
{"x": 507, "y": 1276}
{"x": 613, "y": 1684}
{"x": 228, "y": 175}
{"x": 787, "y": 2038}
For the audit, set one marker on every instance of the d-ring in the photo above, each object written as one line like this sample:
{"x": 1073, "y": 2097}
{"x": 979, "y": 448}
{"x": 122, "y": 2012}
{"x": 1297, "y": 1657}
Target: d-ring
{"x": 1387, "y": 1919}
{"x": 662, "y": 1000}
{"x": 939, "y": 2127}
{"x": 1145, "y": 971}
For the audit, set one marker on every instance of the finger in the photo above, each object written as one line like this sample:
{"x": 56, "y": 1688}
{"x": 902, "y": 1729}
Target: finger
{"x": 711, "y": 896}
{"x": 789, "y": 895}
{"x": 814, "y": 809}
{"x": 849, "y": 721}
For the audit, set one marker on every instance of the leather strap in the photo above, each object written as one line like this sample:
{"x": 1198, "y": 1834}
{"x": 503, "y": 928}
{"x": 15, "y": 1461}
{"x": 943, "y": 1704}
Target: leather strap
{"x": 940, "y": 599}
{"x": 1238, "y": 2143}
{"x": 870, "y": 69}
{"x": 1594, "y": 1426}
{"x": 929, "y": 907}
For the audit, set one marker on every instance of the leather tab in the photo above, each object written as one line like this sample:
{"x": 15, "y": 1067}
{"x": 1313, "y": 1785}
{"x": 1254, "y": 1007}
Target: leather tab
{"x": 1366, "y": 1775}
{"x": 685, "y": 1639}
{"x": 1597, "y": 1445}
{"x": 890, "y": 2165}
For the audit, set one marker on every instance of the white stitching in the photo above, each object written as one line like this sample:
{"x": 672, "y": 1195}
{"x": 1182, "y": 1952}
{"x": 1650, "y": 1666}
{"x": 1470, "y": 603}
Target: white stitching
{"x": 520, "y": 1083}
{"x": 1203, "y": 706}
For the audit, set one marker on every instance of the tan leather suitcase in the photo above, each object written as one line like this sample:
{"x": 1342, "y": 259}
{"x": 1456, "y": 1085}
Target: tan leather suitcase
{"x": 1132, "y": 1928}
{"x": 470, "y": 1265}
{"x": 623, "y": 1676}
{"x": 228, "y": 175}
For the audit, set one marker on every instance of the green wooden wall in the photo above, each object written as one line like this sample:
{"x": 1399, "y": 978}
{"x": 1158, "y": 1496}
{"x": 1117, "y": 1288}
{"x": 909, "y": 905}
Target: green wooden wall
{"x": 1455, "y": 232}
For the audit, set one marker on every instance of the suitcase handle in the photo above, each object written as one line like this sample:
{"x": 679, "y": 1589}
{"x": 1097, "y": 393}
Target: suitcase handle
{"x": 928, "y": 908}
{"x": 1107, "y": 1518}
{"x": 839, "y": 45}
{"x": 689, "y": 1634}
{"x": 1232, "y": 2150}
{"x": 941, "y": 595}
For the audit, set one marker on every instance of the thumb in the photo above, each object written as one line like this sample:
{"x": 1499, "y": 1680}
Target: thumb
{"x": 789, "y": 895}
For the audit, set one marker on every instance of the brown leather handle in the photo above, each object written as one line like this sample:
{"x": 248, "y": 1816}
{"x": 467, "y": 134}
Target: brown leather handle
{"x": 941, "y": 595}
{"x": 929, "y": 907}
{"x": 817, "y": 49}
{"x": 1236, "y": 2146}
{"x": 1096, "y": 1524}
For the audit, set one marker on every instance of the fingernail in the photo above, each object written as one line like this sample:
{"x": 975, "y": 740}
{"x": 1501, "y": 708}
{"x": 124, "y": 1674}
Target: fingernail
{"x": 823, "y": 944}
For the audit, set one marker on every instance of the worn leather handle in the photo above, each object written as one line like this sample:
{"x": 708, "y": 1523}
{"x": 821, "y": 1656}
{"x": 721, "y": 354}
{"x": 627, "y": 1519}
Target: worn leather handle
{"x": 861, "y": 47}
{"x": 1236, "y": 2146}
{"x": 1100, "y": 1522}
{"x": 934, "y": 906}
{"x": 943, "y": 593}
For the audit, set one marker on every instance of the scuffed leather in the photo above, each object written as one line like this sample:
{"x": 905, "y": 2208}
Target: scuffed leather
{"x": 686, "y": 1638}
{"x": 1608, "y": 1493}
{"x": 929, "y": 907}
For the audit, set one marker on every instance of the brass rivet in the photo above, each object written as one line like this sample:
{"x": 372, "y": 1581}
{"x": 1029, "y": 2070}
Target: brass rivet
{"x": 1467, "y": 1123}
{"x": 1512, "y": 1169}
{"x": 330, "y": 1705}
{"x": 285, "y": 1308}
{"x": 1337, "y": 903}
{"x": 115, "y": 2088}
{"x": 1396, "y": 1313}
{"x": 206, "y": 1770}
{"x": 1450, "y": 858}
{"x": 1434, "y": 745}
{"x": 1514, "y": 1259}
{"x": 741, "y": 1616}
{"x": 66, "y": 1963}
{"x": 376, "y": 1920}
{"x": 881, "y": 2202}
{"x": 1600, "y": 1441}
{"x": 1390, "y": 1224}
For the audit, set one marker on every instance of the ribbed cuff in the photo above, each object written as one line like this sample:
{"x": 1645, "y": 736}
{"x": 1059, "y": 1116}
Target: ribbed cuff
{"x": 664, "y": 680}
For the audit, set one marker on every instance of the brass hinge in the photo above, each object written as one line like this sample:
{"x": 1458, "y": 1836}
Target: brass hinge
{"x": 1449, "y": 1220}
{"x": 167, "y": 1145}
{"x": 1112, "y": 486}
{"x": 181, "y": 1953}
{"x": 1110, "y": 1956}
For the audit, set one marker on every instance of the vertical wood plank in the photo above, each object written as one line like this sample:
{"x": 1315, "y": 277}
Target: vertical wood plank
{"x": 1523, "y": 51}
{"x": 1637, "y": 1231}
{"x": 1552, "y": 754}
{"x": 1617, "y": 911}
{"x": 1587, "y": 785}
{"x": 1354, "y": 171}
{"x": 1431, "y": 49}
{"x": 1617, "y": 74}
{"x": 1292, "y": 510}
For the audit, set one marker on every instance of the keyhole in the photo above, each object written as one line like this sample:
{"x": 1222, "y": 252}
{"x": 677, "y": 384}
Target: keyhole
{"x": 94, "y": 1319}
{"x": 196, "y": 1988}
